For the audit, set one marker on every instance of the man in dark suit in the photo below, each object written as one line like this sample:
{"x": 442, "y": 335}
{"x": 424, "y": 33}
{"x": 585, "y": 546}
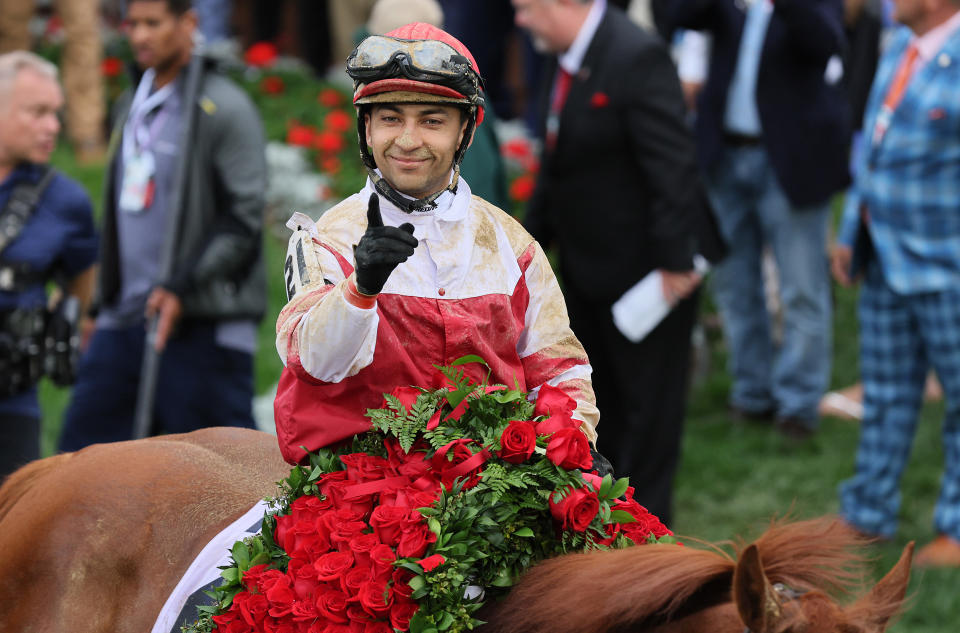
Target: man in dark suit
{"x": 618, "y": 194}
{"x": 773, "y": 129}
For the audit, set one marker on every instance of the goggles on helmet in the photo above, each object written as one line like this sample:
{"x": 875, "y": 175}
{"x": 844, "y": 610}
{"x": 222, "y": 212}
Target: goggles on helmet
{"x": 381, "y": 57}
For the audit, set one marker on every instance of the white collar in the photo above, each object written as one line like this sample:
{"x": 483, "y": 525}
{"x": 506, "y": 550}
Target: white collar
{"x": 933, "y": 40}
{"x": 571, "y": 59}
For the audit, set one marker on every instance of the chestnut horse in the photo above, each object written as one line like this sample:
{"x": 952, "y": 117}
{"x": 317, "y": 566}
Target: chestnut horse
{"x": 96, "y": 540}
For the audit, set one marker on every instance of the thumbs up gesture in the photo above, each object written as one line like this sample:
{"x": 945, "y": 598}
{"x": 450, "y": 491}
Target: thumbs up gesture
{"x": 381, "y": 249}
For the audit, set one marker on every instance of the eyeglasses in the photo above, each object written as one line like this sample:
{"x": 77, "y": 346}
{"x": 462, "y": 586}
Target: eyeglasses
{"x": 380, "y": 57}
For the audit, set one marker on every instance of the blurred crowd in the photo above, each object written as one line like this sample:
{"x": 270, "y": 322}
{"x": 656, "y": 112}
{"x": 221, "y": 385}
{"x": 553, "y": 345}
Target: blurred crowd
{"x": 679, "y": 140}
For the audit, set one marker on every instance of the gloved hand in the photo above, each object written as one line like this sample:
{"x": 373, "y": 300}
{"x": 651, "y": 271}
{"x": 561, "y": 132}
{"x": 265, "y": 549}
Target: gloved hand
{"x": 381, "y": 249}
{"x": 600, "y": 463}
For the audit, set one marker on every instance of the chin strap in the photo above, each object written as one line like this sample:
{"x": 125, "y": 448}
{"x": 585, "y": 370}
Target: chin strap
{"x": 411, "y": 205}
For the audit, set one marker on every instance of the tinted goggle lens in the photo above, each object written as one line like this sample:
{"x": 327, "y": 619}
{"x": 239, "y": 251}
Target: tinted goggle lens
{"x": 425, "y": 55}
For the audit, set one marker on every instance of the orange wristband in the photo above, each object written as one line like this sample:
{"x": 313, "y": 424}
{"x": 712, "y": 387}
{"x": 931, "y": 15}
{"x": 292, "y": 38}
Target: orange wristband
{"x": 356, "y": 298}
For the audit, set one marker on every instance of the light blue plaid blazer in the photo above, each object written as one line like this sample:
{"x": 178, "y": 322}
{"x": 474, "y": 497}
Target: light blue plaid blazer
{"x": 910, "y": 181}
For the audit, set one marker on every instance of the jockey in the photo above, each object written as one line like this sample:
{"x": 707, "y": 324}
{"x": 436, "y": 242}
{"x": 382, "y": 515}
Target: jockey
{"x": 413, "y": 271}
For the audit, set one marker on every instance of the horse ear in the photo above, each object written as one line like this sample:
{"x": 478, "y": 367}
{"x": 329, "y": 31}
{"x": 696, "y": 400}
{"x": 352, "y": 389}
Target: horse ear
{"x": 756, "y": 600}
{"x": 887, "y": 596}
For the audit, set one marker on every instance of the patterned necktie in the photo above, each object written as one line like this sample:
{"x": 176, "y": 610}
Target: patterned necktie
{"x": 895, "y": 94}
{"x": 561, "y": 88}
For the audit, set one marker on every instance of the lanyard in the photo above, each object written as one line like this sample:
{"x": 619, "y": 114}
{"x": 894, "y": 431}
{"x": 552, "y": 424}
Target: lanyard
{"x": 137, "y": 135}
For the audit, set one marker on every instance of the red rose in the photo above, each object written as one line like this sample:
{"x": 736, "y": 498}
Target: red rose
{"x": 301, "y": 135}
{"x": 382, "y": 558}
{"x": 304, "y": 611}
{"x": 260, "y": 54}
{"x": 272, "y": 85}
{"x": 333, "y": 565}
{"x": 338, "y": 121}
{"x": 281, "y": 596}
{"x": 645, "y": 524}
{"x": 521, "y": 189}
{"x": 304, "y": 576}
{"x": 517, "y": 441}
{"x": 111, "y": 67}
{"x": 595, "y": 481}
{"x": 328, "y": 142}
{"x": 332, "y": 604}
{"x": 252, "y": 606}
{"x": 432, "y": 562}
{"x": 556, "y": 422}
{"x": 415, "y": 539}
{"x": 569, "y": 449}
{"x": 329, "y": 97}
{"x": 610, "y": 531}
{"x": 552, "y": 400}
{"x": 361, "y": 545}
{"x": 268, "y": 579}
{"x": 363, "y": 467}
{"x": 401, "y": 584}
{"x": 377, "y": 626}
{"x": 388, "y": 521}
{"x": 251, "y": 577}
{"x": 307, "y": 538}
{"x": 272, "y": 626}
{"x": 350, "y": 582}
{"x": 376, "y": 597}
{"x": 576, "y": 510}
{"x": 401, "y": 613}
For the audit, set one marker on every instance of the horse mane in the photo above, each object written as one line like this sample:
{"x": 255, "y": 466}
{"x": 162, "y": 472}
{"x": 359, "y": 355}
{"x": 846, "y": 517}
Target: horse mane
{"x": 600, "y": 591}
{"x": 821, "y": 554}
{"x": 21, "y": 481}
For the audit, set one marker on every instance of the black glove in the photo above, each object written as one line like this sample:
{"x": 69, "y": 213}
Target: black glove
{"x": 381, "y": 249}
{"x": 600, "y": 463}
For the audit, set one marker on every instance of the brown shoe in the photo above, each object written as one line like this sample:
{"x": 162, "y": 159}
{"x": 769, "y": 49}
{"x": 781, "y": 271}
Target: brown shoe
{"x": 943, "y": 551}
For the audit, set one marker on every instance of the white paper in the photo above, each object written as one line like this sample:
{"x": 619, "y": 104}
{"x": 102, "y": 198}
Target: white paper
{"x": 643, "y": 306}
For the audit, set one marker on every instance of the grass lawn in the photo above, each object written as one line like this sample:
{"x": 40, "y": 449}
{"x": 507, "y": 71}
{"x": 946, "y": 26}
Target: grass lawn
{"x": 734, "y": 478}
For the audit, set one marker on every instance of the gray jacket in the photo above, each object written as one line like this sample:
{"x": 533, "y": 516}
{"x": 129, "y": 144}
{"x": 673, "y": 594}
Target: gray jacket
{"x": 218, "y": 270}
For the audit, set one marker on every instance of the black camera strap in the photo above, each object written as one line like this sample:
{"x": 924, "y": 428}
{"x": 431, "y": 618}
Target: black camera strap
{"x": 21, "y": 204}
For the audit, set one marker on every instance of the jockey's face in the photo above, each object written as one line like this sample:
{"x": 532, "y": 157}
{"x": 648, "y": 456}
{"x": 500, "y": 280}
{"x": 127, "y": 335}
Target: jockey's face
{"x": 414, "y": 144}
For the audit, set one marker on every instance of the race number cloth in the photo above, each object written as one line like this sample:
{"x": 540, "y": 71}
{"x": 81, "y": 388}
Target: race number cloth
{"x": 180, "y": 609}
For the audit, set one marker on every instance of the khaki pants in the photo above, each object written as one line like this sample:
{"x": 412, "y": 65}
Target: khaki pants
{"x": 82, "y": 55}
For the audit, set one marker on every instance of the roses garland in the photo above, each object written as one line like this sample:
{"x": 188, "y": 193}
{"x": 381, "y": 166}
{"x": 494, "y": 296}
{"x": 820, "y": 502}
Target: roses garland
{"x": 412, "y": 526}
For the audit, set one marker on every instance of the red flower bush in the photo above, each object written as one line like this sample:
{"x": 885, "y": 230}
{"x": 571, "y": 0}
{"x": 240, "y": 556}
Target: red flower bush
{"x": 261, "y": 54}
{"x": 329, "y": 142}
{"x": 521, "y": 189}
{"x": 338, "y": 121}
{"x": 329, "y": 98}
{"x": 301, "y": 135}
{"x": 272, "y": 85}
{"x": 111, "y": 67}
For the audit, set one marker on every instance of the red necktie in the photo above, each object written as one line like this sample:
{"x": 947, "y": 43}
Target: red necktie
{"x": 561, "y": 88}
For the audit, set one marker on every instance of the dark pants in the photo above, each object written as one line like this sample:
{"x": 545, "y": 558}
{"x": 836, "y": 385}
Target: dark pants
{"x": 199, "y": 384}
{"x": 641, "y": 391}
{"x": 19, "y": 442}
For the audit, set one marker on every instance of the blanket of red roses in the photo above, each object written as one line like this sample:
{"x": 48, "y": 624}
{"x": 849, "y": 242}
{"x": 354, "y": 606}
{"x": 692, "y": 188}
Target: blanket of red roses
{"x": 412, "y": 526}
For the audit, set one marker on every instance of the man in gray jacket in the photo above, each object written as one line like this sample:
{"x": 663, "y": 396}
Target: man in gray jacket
{"x": 208, "y": 305}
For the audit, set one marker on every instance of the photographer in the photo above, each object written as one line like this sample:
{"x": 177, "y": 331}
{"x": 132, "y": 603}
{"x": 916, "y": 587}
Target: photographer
{"x": 46, "y": 238}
